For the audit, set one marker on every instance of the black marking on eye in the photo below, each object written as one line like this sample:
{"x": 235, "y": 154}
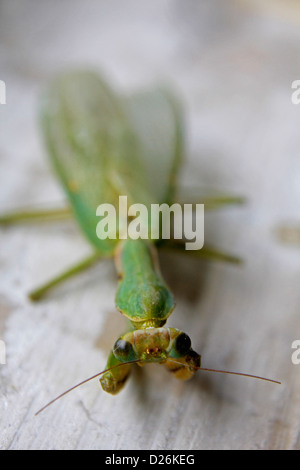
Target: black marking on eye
{"x": 123, "y": 350}
{"x": 183, "y": 344}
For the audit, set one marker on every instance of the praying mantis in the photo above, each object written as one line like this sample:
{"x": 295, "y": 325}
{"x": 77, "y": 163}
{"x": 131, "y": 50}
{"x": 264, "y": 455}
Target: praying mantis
{"x": 103, "y": 145}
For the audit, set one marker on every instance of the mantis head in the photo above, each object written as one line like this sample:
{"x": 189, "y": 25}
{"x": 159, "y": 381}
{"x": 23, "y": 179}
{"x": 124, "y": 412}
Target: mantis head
{"x": 155, "y": 345}
{"x": 167, "y": 346}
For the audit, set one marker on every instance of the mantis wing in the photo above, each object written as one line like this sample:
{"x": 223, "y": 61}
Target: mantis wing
{"x": 156, "y": 117}
{"x": 93, "y": 148}
{"x": 103, "y": 146}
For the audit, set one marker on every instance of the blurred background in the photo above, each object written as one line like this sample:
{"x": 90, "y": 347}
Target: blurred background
{"x": 232, "y": 63}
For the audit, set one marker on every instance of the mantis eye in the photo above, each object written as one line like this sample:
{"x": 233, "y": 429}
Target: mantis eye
{"x": 123, "y": 351}
{"x": 182, "y": 344}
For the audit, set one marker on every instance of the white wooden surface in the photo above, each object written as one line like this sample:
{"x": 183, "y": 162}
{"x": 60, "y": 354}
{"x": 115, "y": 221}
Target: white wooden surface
{"x": 233, "y": 67}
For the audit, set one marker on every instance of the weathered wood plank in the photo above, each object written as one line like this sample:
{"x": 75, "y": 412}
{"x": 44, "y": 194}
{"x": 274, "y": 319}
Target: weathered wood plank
{"x": 233, "y": 68}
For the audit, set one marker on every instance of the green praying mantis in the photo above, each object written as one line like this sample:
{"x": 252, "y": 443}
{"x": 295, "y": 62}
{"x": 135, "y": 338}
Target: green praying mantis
{"x": 102, "y": 146}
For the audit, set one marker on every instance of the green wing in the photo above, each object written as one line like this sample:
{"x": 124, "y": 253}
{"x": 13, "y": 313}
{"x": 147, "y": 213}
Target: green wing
{"x": 156, "y": 117}
{"x": 103, "y": 146}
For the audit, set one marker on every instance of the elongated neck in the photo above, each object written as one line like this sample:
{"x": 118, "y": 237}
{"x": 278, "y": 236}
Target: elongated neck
{"x": 142, "y": 295}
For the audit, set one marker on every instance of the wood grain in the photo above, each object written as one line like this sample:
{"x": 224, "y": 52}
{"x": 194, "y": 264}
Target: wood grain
{"x": 233, "y": 68}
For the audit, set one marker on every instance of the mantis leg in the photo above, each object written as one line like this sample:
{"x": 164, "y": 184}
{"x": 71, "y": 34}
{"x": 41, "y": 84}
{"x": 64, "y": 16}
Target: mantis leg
{"x": 212, "y": 202}
{"x": 35, "y": 215}
{"x": 81, "y": 266}
{"x": 206, "y": 252}
{"x": 114, "y": 380}
{"x": 289, "y": 234}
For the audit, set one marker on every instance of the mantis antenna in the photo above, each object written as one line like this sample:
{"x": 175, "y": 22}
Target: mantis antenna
{"x": 82, "y": 383}
{"x": 134, "y": 362}
{"x": 228, "y": 372}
